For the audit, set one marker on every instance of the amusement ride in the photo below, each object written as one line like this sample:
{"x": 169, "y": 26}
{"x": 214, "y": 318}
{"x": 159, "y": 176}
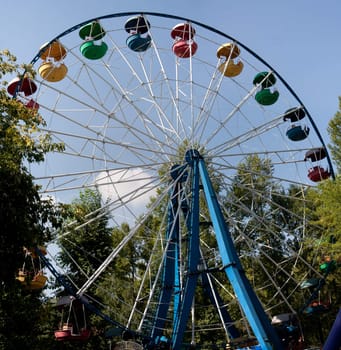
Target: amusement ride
{"x": 205, "y": 153}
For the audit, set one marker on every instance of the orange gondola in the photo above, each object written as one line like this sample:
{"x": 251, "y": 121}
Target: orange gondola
{"x": 36, "y": 283}
{"x": 55, "y": 51}
{"x": 52, "y": 72}
{"x": 52, "y": 69}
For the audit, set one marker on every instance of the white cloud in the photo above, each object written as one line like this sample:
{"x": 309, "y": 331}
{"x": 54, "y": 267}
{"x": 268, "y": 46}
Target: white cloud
{"x": 127, "y": 190}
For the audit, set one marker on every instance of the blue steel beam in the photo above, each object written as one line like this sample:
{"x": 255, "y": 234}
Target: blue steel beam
{"x": 170, "y": 267}
{"x": 248, "y": 300}
{"x": 193, "y": 255}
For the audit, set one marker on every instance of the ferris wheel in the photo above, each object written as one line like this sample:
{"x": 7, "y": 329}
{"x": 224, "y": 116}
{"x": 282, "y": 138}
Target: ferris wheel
{"x": 202, "y": 154}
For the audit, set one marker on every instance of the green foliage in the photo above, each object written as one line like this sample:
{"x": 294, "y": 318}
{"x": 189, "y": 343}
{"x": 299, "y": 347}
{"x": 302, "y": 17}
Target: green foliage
{"x": 269, "y": 231}
{"x": 26, "y": 219}
{"x": 327, "y": 203}
{"x": 85, "y": 236}
{"x": 334, "y": 130}
{"x": 257, "y": 207}
{"x": 21, "y": 209}
{"x": 252, "y": 199}
{"x": 119, "y": 288}
{"x": 24, "y": 213}
{"x": 20, "y": 316}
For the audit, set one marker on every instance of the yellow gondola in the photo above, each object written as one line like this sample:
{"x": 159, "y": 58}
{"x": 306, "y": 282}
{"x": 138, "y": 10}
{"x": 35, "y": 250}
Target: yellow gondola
{"x": 229, "y": 68}
{"x": 31, "y": 275}
{"x": 37, "y": 283}
{"x": 52, "y": 72}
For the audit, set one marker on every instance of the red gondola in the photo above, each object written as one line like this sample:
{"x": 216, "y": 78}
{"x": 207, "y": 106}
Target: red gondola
{"x": 184, "y": 49}
{"x": 25, "y": 85}
{"x": 32, "y": 104}
{"x": 74, "y": 328}
{"x": 66, "y": 333}
{"x": 318, "y": 173}
{"x": 183, "y": 31}
{"x": 184, "y": 46}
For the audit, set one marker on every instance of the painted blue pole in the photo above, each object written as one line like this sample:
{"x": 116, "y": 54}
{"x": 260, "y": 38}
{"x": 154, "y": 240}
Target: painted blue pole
{"x": 170, "y": 267}
{"x": 248, "y": 300}
{"x": 193, "y": 259}
{"x": 333, "y": 341}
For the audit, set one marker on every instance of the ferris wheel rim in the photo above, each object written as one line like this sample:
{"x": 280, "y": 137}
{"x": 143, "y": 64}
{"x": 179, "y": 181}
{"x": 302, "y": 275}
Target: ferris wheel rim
{"x": 210, "y": 28}
{"x": 163, "y": 155}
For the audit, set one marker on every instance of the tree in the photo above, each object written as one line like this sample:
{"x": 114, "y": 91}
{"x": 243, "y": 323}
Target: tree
{"x": 324, "y": 210}
{"x": 326, "y": 200}
{"x": 269, "y": 228}
{"x": 21, "y": 209}
{"x": 85, "y": 227}
{"x": 85, "y": 241}
{"x": 328, "y": 196}
{"x": 334, "y": 130}
{"x": 26, "y": 219}
{"x": 255, "y": 205}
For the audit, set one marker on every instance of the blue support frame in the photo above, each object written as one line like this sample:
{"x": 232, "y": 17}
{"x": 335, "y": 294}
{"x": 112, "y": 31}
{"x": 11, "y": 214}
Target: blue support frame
{"x": 170, "y": 277}
{"x": 193, "y": 259}
{"x": 182, "y": 303}
{"x": 252, "y": 308}
{"x": 248, "y": 300}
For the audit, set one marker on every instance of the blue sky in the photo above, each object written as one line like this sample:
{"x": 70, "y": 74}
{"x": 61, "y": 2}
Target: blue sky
{"x": 300, "y": 39}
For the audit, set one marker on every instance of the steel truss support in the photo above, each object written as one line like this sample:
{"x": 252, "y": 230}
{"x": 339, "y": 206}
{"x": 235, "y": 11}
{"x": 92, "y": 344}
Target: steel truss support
{"x": 247, "y": 298}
